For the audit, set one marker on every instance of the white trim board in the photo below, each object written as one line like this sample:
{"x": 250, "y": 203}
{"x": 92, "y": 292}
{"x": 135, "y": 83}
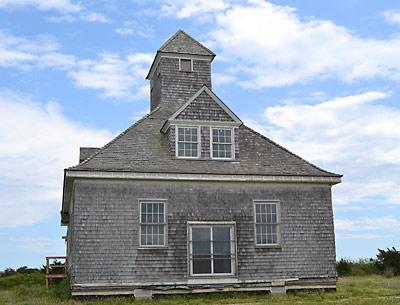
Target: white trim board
{"x": 200, "y": 177}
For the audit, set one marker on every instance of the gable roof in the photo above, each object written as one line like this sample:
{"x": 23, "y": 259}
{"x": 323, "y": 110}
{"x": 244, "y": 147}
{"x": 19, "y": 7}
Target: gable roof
{"x": 219, "y": 104}
{"x": 181, "y": 42}
{"x": 142, "y": 148}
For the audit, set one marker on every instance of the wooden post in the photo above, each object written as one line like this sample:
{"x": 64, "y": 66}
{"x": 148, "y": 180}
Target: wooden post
{"x": 63, "y": 269}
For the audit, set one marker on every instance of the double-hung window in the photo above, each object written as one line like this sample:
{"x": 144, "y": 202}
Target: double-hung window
{"x": 212, "y": 249}
{"x": 267, "y": 223}
{"x": 187, "y": 142}
{"x": 152, "y": 223}
{"x": 221, "y": 143}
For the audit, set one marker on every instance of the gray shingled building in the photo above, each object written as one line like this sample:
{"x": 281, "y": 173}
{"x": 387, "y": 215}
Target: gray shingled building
{"x": 190, "y": 199}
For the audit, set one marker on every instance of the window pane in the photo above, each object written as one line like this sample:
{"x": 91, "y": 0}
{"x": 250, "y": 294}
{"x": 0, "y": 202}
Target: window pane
{"x": 221, "y": 233}
{"x": 222, "y": 265}
{"x": 201, "y": 247}
{"x": 201, "y": 266}
{"x": 201, "y": 234}
{"x": 222, "y": 247}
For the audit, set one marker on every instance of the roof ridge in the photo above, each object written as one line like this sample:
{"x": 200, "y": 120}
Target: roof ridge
{"x": 288, "y": 151}
{"x": 116, "y": 138}
{"x": 190, "y": 37}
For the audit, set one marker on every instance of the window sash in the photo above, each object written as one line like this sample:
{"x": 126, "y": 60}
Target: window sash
{"x": 216, "y": 255}
{"x": 266, "y": 223}
{"x": 221, "y": 144}
{"x": 152, "y": 223}
{"x": 187, "y": 144}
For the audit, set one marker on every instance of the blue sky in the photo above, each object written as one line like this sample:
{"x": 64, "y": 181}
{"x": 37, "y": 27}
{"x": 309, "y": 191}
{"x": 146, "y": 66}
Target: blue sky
{"x": 319, "y": 77}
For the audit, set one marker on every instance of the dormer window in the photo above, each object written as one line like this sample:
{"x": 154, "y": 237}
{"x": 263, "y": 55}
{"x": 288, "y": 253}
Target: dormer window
{"x": 187, "y": 142}
{"x": 185, "y": 65}
{"x": 222, "y": 143}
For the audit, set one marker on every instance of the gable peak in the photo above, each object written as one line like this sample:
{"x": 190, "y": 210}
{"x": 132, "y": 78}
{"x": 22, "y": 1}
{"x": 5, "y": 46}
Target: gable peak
{"x": 183, "y": 43}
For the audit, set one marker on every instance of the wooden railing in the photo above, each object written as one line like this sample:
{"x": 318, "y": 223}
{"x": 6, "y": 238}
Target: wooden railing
{"x": 56, "y": 268}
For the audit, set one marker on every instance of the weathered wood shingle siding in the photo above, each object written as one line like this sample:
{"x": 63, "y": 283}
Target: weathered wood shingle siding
{"x": 204, "y": 108}
{"x": 106, "y": 230}
{"x": 155, "y": 90}
{"x": 205, "y": 142}
{"x": 177, "y": 87}
{"x": 172, "y": 140}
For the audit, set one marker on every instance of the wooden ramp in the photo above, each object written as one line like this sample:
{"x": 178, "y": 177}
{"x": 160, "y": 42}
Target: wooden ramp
{"x": 56, "y": 268}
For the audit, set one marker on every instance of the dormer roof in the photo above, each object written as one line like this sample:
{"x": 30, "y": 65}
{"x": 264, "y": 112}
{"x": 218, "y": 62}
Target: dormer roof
{"x": 193, "y": 110}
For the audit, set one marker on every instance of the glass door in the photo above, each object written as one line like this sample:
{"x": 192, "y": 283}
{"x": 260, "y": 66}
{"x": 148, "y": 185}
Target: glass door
{"x": 212, "y": 250}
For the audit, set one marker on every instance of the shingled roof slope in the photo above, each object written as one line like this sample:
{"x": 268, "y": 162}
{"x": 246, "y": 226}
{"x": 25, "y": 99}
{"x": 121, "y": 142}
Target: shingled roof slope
{"x": 181, "y": 42}
{"x": 143, "y": 148}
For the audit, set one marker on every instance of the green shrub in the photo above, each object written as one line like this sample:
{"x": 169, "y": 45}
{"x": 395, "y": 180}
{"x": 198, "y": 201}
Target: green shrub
{"x": 61, "y": 290}
{"x": 344, "y": 267}
{"x": 18, "y": 279}
{"x": 361, "y": 267}
{"x": 388, "y": 261}
{"x": 7, "y": 272}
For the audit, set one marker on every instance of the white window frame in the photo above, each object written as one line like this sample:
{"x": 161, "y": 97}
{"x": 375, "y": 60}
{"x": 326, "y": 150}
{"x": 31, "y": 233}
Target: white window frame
{"x": 198, "y": 142}
{"x": 165, "y": 223}
{"x": 278, "y": 223}
{"x": 232, "y": 144}
{"x": 211, "y": 224}
{"x": 191, "y": 64}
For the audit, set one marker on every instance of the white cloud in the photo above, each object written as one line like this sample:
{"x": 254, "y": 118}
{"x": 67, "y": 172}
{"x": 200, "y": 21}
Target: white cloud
{"x": 84, "y": 16}
{"x": 270, "y": 45}
{"x": 195, "y": 8}
{"x": 357, "y": 136}
{"x": 42, "y": 245}
{"x": 64, "y": 6}
{"x": 39, "y": 51}
{"x": 392, "y": 16}
{"x": 386, "y": 223}
{"x": 360, "y": 236}
{"x": 133, "y": 28}
{"x": 221, "y": 79}
{"x": 117, "y": 76}
{"x": 70, "y": 11}
{"x": 37, "y": 143}
{"x": 95, "y": 17}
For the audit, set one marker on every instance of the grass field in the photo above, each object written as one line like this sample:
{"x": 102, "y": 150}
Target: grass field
{"x": 361, "y": 290}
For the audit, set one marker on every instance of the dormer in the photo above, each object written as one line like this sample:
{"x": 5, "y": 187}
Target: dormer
{"x": 203, "y": 128}
{"x": 180, "y": 68}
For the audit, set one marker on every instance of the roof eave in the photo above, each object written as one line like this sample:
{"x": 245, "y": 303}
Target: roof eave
{"x": 66, "y": 199}
{"x": 160, "y": 176}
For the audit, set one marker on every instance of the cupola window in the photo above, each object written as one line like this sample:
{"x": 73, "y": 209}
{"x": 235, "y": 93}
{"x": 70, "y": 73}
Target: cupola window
{"x": 185, "y": 65}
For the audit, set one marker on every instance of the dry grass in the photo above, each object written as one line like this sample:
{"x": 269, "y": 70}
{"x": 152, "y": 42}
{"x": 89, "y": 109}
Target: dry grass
{"x": 360, "y": 290}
